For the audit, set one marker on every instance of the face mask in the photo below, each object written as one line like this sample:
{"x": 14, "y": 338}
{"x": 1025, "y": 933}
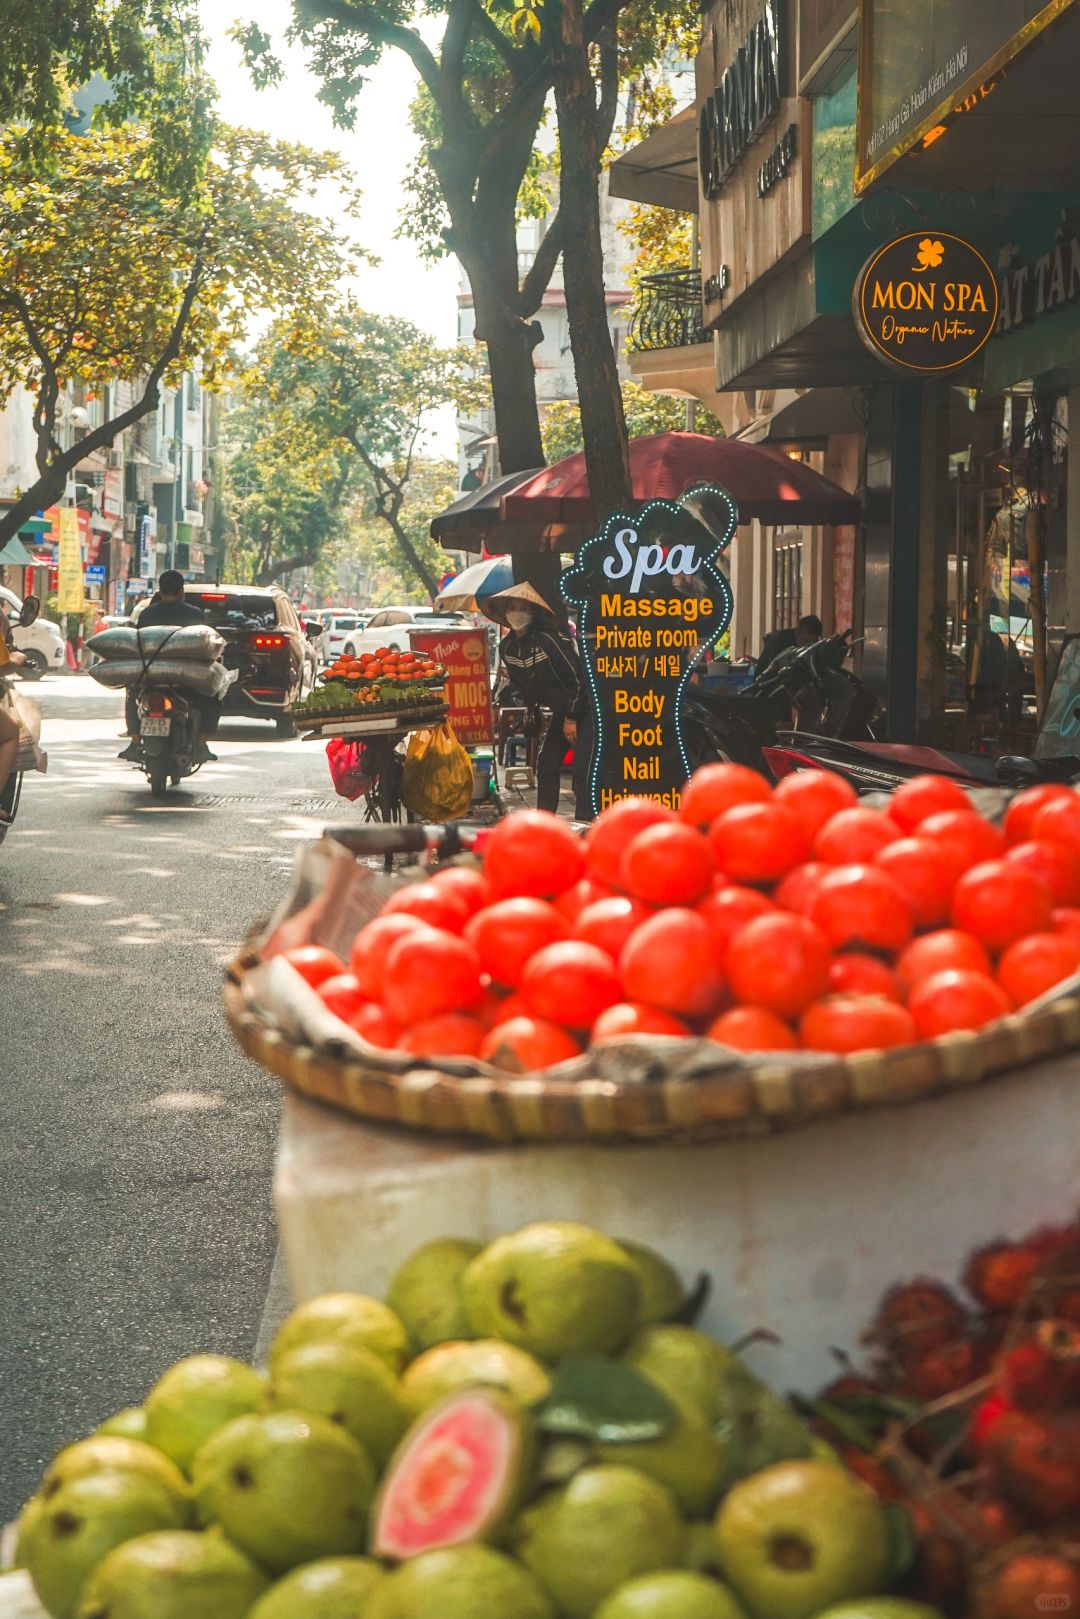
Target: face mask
{"x": 518, "y": 618}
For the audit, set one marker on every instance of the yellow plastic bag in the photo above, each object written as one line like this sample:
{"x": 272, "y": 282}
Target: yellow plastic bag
{"x": 437, "y": 781}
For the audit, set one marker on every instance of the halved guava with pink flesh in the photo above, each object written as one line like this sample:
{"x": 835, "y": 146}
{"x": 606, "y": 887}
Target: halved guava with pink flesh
{"x": 454, "y": 1477}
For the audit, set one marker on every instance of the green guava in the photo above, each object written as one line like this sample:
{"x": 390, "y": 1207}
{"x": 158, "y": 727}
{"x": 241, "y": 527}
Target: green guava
{"x": 173, "y": 1576}
{"x": 604, "y": 1527}
{"x": 881, "y": 1608}
{"x": 426, "y": 1292}
{"x": 661, "y": 1291}
{"x": 456, "y": 1476}
{"x": 688, "y": 1460}
{"x": 480, "y": 1361}
{"x": 195, "y": 1398}
{"x": 85, "y": 1519}
{"x": 118, "y": 1455}
{"x": 287, "y": 1487}
{"x": 24, "y": 1526}
{"x": 352, "y": 1319}
{"x": 553, "y": 1288}
{"x": 701, "y": 1555}
{"x": 460, "y": 1582}
{"x": 685, "y": 1363}
{"x": 671, "y": 1594}
{"x": 799, "y": 1536}
{"x": 351, "y": 1387}
{"x": 332, "y": 1588}
{"x": 130, "y": 1423}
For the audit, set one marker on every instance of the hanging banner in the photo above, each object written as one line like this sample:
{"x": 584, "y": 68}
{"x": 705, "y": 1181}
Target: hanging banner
{"x": 651, "y": 601}
{"x": 70, "y": 596}
{"x": 464, "y": 655}
{"x": 926, "y": 302}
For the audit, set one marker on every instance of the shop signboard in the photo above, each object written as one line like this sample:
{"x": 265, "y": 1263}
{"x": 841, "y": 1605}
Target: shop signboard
{"x": 95, "y": 573}
{"x": 464, "y": 655}
{"x": 651, "y": 600}
{"x": 146, "y": 558}
{"x": 926, "y": 302}
{"x": 70, "y": 596}
{"x": 112, "y": 494}
{"x": 922, "y": 63}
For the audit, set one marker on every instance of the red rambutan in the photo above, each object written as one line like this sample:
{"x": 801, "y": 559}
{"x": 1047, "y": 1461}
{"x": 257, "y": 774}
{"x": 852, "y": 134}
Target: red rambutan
{"x": 916, "y": 1316}
{"x": 871, "y": 1471}
{"x": 1033, "y": 1461}
{"x": 1000, "y": 1275}
{"x": 1043, "y": 1372}
{"x": 986, "y": 1415}
{"x": 936, "y": 1372}
{"x": 1030, "y": 1585}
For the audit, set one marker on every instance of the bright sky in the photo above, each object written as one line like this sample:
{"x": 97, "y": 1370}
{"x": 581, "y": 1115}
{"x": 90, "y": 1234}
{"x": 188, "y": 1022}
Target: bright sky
{"x": 379, "y": 150}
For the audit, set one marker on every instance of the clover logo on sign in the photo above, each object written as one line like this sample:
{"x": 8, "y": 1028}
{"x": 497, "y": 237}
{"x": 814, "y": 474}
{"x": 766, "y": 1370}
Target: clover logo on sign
{"x": 929, "y": 256}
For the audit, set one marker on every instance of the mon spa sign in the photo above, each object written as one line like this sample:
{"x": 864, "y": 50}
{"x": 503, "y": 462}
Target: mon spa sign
{"x": 651, "y": 601}
{"x": 926, "y": 302}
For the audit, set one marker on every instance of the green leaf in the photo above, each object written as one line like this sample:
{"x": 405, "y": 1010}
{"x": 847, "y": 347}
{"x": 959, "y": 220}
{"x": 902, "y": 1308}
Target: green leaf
{"x": 903, "y": 1546}
{"x": 593, "y": 1398}
{"x": 694, "y": 1302}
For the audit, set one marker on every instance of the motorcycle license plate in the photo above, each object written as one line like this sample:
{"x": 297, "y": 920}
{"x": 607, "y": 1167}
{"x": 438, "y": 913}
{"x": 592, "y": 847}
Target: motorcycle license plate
{"x": 156, "y": 725}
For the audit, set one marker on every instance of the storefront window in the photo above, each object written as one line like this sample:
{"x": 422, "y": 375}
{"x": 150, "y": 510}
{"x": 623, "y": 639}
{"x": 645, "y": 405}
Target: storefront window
{"x": 787, "y": 585}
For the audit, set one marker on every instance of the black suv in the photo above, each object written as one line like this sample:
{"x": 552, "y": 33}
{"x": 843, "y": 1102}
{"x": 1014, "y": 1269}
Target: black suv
{"x": 265, "y": 641}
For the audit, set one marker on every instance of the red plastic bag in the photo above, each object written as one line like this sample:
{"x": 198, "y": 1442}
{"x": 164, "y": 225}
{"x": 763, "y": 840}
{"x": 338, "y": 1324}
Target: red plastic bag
{"x": 346, "y": 761}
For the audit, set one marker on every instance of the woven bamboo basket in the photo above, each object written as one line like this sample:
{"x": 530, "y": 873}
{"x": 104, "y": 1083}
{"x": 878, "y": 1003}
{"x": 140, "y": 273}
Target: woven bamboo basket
{"x": 688, "y": 1091}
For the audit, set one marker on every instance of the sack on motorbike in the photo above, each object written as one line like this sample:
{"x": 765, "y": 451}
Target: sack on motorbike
{"x": 198, "y": 643}
{"x": 208, "y": 679}
{"x": 27, "y": 716}
{"x": 437, "y": 780}
{"x": 346, "y": 761}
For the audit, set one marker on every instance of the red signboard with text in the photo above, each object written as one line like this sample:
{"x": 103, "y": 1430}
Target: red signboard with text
{"x": 464, "y": 655}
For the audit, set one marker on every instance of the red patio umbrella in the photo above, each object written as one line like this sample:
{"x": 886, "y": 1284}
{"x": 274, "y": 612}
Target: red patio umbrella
{"x": 764, "y": 482}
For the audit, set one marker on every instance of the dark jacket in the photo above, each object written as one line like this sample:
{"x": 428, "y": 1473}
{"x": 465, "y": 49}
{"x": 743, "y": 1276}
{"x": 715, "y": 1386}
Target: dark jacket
{"x": 159, "y": 611}
{"x": 541, "y": 669}
{"x": 775, "y": 642}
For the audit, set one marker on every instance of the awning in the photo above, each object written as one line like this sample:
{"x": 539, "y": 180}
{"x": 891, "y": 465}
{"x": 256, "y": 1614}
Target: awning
{"x": 662, "y": 169}
{"x": 15, "y": 554}
{"x": 36, "y": 525}
{"x": 805, "y": 413}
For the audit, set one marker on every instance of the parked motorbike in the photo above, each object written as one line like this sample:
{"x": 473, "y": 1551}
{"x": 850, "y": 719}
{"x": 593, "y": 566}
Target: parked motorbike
{"x": 12, "y": 791}
{"x": 170, "y": 742}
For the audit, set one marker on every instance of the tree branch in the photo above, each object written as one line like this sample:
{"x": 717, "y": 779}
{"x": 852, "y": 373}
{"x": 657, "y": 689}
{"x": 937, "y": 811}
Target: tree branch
{"x": 511, "y": 54}
{"x": 459, "y": 26}
{"x": 365, "y": 20}
{"x": 542, "y": 267}
{"x": 601, "y": 15}
{"x": 608, "y": 104}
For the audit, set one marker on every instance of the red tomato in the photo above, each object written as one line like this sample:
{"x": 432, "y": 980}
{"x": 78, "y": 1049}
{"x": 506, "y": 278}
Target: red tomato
{"x": 1066, "y": 919}
{"x": 1033, "y": 965}
{"x": 634, "y": 1017}
{"x": 1059, "y": 822}
{"x": 670, "y": 962}
{"x": 667, "y": 865}
{"x": 570, "y": 983}
{"x": 963, "y": 837}
{"x": 751, "y": 1028}
{"x": 1022, "y": 810}
{"x": 498, "y": 1008}
{"x": 797, "y": 891}
{"x": 372, "y": 946}
{"x": 716, "y": 788}
{"x": 1058, "y": 866}
{"x": 451, "y": 1034}
{"x": 314, "y": 964}
{"x": 780, "y": 962}
{"x": 726, "y": 910}
{"x": 758, "y": 843}
{"x": 854, "y": 836}
{"x": 850, "y": 1023}
{"x": 926, "y": 875}
{"x": 923, "y": 797}
{"x": 375, "y": 1025}
{"x": 506, "y": 935}
{"x": 944, "y": 951}
{"x": 815, "y": 796}
{"x": 586, "y": 892}
{"x": 613, "y": 829}
{"x": 855, "y": 974}
{"x": 998, "y": 901}
{"x": 522, "y": 1045}
{"x": 956, "y": 1000}
{"x": 440, "y": 904}
{"x": 428, "y": 972}
{"x": 863, "y": 906}
{"x": 470, "y": 885}
{"x": 533, "y": 853}
{"x": 342, "y": 995}
{"x": 609, "y": 923}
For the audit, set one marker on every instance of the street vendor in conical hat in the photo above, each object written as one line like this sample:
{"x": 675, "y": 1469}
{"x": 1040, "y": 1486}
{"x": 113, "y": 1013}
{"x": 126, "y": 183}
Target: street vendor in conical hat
{"x": 539, "y": 668}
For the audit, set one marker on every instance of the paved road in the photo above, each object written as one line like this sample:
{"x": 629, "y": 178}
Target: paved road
{"x": 136, "y": 1143}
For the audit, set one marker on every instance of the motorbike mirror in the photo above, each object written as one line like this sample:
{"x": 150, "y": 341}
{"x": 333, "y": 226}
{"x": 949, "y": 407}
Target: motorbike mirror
{"x": 29, "y": 610}
{"x": 312, "y": 629}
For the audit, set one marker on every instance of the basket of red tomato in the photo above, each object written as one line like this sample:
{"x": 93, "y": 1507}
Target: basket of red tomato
{"x": 760, "y": 958}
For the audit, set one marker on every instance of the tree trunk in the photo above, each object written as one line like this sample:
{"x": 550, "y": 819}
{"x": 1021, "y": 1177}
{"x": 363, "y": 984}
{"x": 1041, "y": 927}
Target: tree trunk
{"x": 490, "y": 262}
{"x": 603, "y": 427}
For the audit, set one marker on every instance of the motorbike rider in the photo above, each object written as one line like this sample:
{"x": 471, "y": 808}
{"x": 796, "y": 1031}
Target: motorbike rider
{"x": 10, "y": 658}
{"x": 168, "y": 607}
{"x": 805, "y": 633}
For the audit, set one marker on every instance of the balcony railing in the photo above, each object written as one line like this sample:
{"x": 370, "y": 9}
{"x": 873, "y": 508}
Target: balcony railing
{"x": 667, "y": 311}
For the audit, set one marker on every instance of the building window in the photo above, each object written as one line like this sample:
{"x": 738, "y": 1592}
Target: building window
{"x": 787, "y": 586}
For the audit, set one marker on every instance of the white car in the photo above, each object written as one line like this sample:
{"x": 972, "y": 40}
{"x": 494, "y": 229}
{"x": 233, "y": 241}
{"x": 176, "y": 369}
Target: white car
{"x": 341, "y": 631}
{"x": 41, "y": 640}
{"x": 390, "y": 627}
